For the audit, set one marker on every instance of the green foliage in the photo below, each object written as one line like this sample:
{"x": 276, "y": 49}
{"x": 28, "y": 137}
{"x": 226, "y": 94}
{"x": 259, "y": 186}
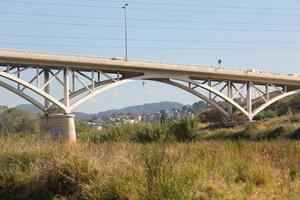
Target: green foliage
{"x": 142, "y": 132}
{"x": 250, "y": 132}
{"x": 212, "y": 115}
{"x": 150, "y": 133}
{"x": 266, "y": 114}
{"x": 82, "y": 126}
{"x": 116, "y": 187}
{"x": 14, "y": 121}
{"x": 161, "y": 179}
{"x": 184, "y": 129}
{"x": 295, "y": 174}
{"x": 129, "y": 171}
{"x": 199, "y": 106}
{"x": 295, "y": 135}
{"x": 280, "y": 132}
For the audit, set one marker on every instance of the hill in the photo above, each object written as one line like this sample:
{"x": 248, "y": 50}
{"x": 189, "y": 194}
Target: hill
{"x": 145, "y": 108}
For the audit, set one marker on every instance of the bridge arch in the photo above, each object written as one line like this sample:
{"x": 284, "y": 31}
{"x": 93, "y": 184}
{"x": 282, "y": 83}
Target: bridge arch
{"x": 274, "y": 100}
{"x": 103, "y": 86}
{"x": 110, "y": 84}
{"x": 33, "y": 88}
{"x": 22, "y": 95}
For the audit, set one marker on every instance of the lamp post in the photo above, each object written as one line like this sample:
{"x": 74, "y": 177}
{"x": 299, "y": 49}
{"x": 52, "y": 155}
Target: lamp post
{"x": 219, "y": 62}
{"x": 126, "y": 39}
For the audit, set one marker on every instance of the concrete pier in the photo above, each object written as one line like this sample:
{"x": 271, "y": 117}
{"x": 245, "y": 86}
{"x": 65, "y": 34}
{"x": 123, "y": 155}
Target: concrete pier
{"x": 58, "y": 127}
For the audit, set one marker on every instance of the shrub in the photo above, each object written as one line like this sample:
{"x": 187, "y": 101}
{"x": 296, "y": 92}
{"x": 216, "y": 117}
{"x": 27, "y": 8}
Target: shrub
{"x": 184, "y": 129}
{"x": 280, "y": 132}
{"x": 295, "y": 174}
{"x": 266, "y": 114}
{"x": 117, "y": 187}
{"x": 249, "y": 132}
{"x": 295, "y": 135}
{"x": 212, "y": 115}
{"x": 162, "y": 181}
{"x": 246, "y": 172}
{"x": 18, "y": 121}
{"x": 150, "y": 133}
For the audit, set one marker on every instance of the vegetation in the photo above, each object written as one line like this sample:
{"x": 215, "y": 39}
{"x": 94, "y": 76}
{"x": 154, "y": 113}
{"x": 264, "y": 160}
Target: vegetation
{"x": 183, "y": 159}
{"x": 18, "y": 122}
{"x": 200, "y": 170}
{"x": 182, "y": 130}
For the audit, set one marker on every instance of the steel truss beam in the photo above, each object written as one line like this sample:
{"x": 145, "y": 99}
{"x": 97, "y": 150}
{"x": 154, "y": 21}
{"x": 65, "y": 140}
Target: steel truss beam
{"x": 247, "y": 98}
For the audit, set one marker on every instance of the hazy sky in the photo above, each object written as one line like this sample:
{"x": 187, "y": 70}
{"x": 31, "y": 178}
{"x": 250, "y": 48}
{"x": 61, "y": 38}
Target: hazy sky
{"x": 264, "y": 35}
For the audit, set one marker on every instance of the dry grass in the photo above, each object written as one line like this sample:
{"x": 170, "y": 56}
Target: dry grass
{"x": 199, "y": 170}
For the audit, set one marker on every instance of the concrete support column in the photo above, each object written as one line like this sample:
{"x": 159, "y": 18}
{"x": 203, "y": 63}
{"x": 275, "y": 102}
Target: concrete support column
{"x": 58, "y": 127}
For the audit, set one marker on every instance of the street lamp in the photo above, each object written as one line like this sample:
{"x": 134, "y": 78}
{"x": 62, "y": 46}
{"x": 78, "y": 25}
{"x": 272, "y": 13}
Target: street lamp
{"x": 126, "y": 39}
{"x": 219, "y": 62}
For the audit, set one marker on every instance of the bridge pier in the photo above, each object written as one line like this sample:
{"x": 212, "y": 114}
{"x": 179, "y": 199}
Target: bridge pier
{"x": 58, "y": 127}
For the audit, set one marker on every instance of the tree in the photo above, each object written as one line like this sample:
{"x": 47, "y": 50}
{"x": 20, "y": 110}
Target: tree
{"x": 163, "y": 119}
{"x": 18, "y": 121}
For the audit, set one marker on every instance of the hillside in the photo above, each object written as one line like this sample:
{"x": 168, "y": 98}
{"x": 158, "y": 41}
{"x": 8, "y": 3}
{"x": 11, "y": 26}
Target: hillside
{"x": 145, "y": 108}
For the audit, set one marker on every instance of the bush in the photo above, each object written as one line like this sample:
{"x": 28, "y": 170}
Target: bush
{"x": 117, "y": 187}
{"x": 184, "y": 129}
{"x": 212, "y": 115}
{"x": 295, "y": 135}
{"x": 246, "y": 172}
{"x": 266, "y": 115}
{"x": 18, "y": 121}
{"x": 280, "y": 132}
{"x": 141, "y": 132}
{"x": 162, "y": 182}
{"x": 150, "y": 133}
{"x": 249, "y": 132}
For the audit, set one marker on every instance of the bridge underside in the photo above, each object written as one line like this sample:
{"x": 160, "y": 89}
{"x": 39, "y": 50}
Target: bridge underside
{"x": 58, "y": 91}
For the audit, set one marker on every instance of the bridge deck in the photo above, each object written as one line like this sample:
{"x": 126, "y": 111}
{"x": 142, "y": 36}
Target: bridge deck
{"x": 48, "y": 60}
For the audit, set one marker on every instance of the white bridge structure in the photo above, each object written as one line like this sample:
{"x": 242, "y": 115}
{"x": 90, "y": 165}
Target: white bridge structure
{"x": 57, "y": 84}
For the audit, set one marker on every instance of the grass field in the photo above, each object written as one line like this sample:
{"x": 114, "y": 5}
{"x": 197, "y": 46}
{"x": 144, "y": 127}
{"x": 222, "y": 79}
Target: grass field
{"x": 180, "y": 160}
{"x": 214, "y": 169}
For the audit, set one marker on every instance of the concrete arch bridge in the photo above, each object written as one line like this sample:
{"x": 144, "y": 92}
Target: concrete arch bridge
{"x": 57, "y": 84}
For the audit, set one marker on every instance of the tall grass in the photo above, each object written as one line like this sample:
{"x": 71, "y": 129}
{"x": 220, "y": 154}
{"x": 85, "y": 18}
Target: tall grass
{"x": 183, "y": 129}
{"x": 126, "y": 170}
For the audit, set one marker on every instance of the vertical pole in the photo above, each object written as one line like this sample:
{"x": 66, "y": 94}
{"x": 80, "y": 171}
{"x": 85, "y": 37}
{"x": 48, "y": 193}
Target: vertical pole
{"x": 126, "y": 39}
{"x": 118, "y": 76}
{"x": 285, "y": 88}
{"x": 66, "y": 87}
{"x": 249, "y": 98}
{"x": 37, "y": 77}
{"x": 126, "y": 42}
{"x": 99, "y": 77}
{"x": 47, "y": 88}
{"x": 93, "y": 80}
{"x": 209, "y": 85}
{"x": 18, "y": 74}
{"x": 267, "y": 92}
{"x": 73, "y": 82}
{"x": 229, "y": 93}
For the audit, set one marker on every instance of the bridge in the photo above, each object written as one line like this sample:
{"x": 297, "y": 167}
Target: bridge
{"x": 57, "y": 84}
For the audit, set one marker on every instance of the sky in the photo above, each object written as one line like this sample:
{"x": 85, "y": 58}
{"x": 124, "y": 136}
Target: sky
{"x": 253, "y": 34}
